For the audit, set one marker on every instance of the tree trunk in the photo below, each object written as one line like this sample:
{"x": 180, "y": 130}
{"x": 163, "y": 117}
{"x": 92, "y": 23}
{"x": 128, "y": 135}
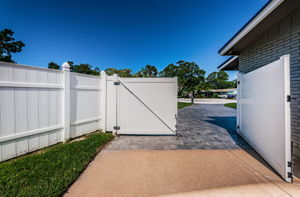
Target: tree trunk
{"x": 192, "y": 98}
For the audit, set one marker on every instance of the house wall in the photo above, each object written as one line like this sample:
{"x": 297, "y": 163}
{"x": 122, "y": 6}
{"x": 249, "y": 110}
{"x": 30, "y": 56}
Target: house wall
{"x": 283, "y": 38}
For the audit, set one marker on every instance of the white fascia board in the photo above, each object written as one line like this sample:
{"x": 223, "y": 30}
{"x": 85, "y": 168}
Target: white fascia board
{"x": 232, "y": 59}
{"x": 263, "y": 14}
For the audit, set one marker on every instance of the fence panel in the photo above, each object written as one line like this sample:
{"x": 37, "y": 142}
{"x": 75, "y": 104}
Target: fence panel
{"x": 30, "y": 109}
{"x": 85, "y": 104}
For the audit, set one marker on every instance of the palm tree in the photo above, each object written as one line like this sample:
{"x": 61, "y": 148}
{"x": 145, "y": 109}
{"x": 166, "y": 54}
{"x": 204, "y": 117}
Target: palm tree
{"x": 148, "y": 71}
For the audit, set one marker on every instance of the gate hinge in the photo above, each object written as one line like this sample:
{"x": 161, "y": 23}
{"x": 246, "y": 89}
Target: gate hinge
{"x": 238, "y": 127}
{"x": 238, "y": 82}
{"x": 116, "y": 128}
{"x": 116, "y": 83}
{"x": 290, "y": 175}
{"x": 290, "y": 164}
{"x": 288, "y": 98}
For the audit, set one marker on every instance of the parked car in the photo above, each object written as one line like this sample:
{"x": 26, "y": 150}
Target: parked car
{"x": 224, "y": 96}
{"x": 231, "y": 96}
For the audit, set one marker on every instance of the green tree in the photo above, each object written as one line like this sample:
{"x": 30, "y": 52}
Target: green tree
{"x": 84, "y": 68}
{"x": 8, "y": 45}
{"x": 222, "y": 75}
{"x": 169, "y": 71}
{"x": 190, "y": 77}
{"x": 111, "y": 71}
{"x": 147, "y": 71}
{"x": 53, "y": 65}
{"x": 219, "y": 80}
{"x": 126, "y": 72}
{"x": 212, "y": 81}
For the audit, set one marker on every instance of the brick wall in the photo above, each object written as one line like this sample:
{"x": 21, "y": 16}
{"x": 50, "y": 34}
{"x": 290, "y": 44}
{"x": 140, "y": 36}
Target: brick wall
{"x": 283, "y": 38}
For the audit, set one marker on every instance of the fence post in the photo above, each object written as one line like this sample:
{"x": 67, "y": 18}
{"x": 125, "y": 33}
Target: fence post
{"x": 66, "y": 100}
{"x": 238, "y": 97}
{"x": 176, "y": 95}
{"x": 103, "y": 104}
{"x": 116, "y": 89}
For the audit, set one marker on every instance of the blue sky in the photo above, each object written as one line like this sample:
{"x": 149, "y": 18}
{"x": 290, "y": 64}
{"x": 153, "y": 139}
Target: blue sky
{"x": 125, "y": 33}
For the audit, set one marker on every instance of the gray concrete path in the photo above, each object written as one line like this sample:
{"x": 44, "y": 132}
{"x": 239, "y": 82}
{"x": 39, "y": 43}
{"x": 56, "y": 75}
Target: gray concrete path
{"x": 207, "y": 101}
{"x": 179, "y": 173}
{"x": 199, "y": 126}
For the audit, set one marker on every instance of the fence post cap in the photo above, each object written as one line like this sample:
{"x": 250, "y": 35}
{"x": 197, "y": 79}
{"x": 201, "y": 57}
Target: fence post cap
{"x": 103, "y": 72}
{"x": 65, "y": 66}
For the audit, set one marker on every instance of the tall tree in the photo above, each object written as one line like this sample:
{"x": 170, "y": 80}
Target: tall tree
{"x": 148, "y": 71}
{"x": 53, "y": 65}
{"x": 169, "y": 71}
{"x": 190, "y": 76}
{"x": 219, "y": 80}
{"x": 8, "y": 45}
{"x": 111, "y": 71}
{"x": 84, "y": 68}
{"x": 126, "y": 72}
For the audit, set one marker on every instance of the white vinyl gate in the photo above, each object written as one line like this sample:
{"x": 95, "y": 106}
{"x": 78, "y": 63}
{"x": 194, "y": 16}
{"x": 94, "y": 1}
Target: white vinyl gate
{"x": 141, "y": 106}
{"x": 264, "y": 113}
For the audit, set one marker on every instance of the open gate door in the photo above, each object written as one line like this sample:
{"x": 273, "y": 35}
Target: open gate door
{"x": 142, "y": 106}
{"x": 264, "y": 113}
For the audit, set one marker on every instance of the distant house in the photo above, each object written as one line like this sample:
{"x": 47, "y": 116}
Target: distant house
{"x": 220, "y": 93}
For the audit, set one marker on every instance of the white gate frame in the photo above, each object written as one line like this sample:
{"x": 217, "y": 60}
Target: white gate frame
{"x": 115, "y": 84}
{"x": 285, "y": 61}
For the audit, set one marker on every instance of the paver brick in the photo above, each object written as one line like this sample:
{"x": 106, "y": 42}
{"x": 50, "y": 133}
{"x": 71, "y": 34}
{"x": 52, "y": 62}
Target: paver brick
{"x": 200, "y": 126}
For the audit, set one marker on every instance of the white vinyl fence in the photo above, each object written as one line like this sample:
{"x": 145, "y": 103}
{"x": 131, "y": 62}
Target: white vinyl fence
{"x": 40, "y": 107}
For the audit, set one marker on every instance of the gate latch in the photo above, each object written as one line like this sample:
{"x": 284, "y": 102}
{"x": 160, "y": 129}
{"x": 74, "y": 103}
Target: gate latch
{"x": 116, "y": 83}
{"x": 116, "y": 128}
{"x": 288, "y": 98}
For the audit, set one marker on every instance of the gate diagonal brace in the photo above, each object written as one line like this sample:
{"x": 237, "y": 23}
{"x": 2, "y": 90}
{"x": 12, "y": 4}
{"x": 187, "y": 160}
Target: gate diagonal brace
{"x": 147, "y": 107}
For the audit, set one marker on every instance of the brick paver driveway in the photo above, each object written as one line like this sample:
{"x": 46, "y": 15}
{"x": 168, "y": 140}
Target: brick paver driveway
{"x": 200, "y": 126}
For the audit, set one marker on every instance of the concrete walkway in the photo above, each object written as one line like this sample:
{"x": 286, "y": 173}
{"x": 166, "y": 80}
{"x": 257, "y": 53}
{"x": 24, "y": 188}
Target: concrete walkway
{"x": 207, "y": 101}
{"x": 179, "y": 173}
{"x": 222, "y": 164}
{"x": 199, "y": 127}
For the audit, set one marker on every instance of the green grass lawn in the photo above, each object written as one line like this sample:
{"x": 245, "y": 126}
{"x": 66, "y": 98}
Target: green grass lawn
{"x": 49, "y": 172}
{"x": 182, "y": 105}
{"x": 232, "y": 105}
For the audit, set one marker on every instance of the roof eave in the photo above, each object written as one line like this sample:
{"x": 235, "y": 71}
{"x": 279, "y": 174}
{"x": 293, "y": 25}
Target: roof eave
{"x": 263, "y": 13}
{"x": 228, "y": 62}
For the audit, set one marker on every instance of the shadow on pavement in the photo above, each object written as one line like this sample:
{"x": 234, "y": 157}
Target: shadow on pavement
{"x": 229, "y": 123}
